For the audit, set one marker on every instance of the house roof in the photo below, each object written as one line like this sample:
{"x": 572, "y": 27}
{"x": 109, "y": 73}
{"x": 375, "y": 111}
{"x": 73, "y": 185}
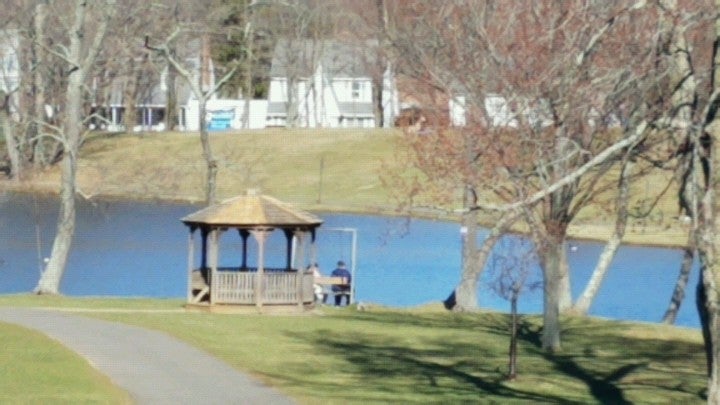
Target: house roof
{"x": 252, "y": 210}
{"x": 302, "y": 57}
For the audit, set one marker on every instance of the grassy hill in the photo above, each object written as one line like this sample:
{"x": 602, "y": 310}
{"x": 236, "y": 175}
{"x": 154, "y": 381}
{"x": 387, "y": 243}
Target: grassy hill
{"x": 318, "y": 169}
{"x": 292, "y": 165}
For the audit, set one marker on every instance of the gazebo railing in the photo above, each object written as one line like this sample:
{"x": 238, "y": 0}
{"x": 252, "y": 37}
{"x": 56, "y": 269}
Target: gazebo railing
{"x": 230, "y": 286}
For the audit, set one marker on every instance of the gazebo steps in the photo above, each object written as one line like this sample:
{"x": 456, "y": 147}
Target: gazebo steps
{"x": 294, "y": 309}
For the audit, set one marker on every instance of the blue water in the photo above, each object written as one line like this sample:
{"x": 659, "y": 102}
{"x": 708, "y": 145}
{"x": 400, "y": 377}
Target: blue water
{"x": 140, "y": 249}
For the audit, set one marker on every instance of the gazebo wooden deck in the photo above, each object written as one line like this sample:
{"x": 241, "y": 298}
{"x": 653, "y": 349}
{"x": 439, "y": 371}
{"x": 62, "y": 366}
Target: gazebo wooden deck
{"x": 257, "y": 216}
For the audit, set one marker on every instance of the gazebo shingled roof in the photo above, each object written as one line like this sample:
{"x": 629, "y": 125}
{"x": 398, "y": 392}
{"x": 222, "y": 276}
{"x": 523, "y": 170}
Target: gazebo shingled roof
{"x": 250, "y": 211}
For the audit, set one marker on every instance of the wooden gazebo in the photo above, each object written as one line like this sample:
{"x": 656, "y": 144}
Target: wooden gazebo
{"x": 257, "y": 216}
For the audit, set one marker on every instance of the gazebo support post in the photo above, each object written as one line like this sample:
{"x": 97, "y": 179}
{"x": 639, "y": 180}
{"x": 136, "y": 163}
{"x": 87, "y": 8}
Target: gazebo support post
{"x": 301, "y": 271}
{"x": 204, "y": 231}
{"x": 288, "y": 248}
{"x": 191, "y": 262}
{"x": 214, "y": 236}
{"x": 260, "y": 236}
{"x": 313, "y": 247}
{"x": 244, "y": 235}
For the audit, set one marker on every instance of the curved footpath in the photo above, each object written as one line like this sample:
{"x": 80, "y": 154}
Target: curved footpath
{"x": 153, "y": 367}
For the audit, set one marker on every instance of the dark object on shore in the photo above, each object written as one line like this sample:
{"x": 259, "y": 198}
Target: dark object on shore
{"x": 450, "y": 301}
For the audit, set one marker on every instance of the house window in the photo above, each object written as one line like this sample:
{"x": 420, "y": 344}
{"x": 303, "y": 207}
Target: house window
{"x": 355, "y": 90}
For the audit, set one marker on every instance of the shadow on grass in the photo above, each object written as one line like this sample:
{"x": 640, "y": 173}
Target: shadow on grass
{"x": 611, "y": 363}
{"x": 613, "y": 367}
{"x": 436, "y": 372}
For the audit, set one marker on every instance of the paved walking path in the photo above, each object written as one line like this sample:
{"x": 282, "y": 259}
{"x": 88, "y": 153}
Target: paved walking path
{"x": 153, "y": 367}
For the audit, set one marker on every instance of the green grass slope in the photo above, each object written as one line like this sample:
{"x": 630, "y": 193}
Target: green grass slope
{"x": 428, "y": 355}
{"x": 37, "y": 370}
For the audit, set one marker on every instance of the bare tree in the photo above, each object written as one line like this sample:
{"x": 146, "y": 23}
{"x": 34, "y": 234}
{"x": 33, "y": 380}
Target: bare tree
{"x": 511, "y": 267}
{"x": 552, "y": 102}
{"x": 203, "y": 89}
{"x": 88, "y": 26}
{"x": 694, "y": 115}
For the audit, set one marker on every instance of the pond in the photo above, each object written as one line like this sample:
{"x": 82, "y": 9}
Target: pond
{"x": 140, "y": 249}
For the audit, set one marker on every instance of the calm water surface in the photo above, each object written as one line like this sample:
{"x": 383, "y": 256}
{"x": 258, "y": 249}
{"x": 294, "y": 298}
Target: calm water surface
{"x": 140, "y": 249}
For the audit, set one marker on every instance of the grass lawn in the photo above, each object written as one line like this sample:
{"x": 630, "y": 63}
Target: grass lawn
{"x": 427, "y": 354}
{"x": 35, "y": 369}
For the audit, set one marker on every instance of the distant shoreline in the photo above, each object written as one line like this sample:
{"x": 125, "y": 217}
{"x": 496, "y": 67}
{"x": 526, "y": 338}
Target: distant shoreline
{"x": 576, "y": 233}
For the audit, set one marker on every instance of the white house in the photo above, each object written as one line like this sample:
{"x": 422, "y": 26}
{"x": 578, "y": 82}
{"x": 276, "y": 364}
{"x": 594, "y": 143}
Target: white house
{"x": 151, "y": 101}
{"x": 331, "y": 85}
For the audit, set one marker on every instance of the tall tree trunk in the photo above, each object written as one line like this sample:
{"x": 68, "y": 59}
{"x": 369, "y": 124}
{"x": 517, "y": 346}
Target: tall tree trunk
{"x": 708, "y": 297}
{"x": 550, "y": 261}
{"x": 378, "y": 81}
{"x": 706, "y": 147}
{"x": 210, "y": 161}
{"x": 582, "y": 306}
{"x": 129, "y": 95}
{"x": 39, "y": 157}
{"x": 293, "y": 104}
{"x": 466, "y": 290}
{"x": 512, "y": 366}
{"x": 377, "y": 96}
{"x": 171, "y": 106}
{"x": 249, "y": 91}
{"x": 11, "y": 144}
{"x": 565, "y": 289}
{"x": 50, "y": 279}
{"x": 678, "y": 294}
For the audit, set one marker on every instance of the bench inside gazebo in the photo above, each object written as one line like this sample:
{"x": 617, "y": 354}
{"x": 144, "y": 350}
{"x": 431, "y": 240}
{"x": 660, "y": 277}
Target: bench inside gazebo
{"x": 255, "y": 216}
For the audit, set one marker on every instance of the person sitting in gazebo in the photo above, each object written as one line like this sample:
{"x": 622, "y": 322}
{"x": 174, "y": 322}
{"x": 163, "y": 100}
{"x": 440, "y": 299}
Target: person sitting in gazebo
{"x": 318, "y": 289}
{"x": 341, "y": 289}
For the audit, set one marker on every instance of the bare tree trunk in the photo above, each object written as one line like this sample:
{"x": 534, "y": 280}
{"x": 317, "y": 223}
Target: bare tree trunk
{"x": 292, "y": 102}
{"x": 129, "y": 95}
{"x": 38, "y": 85}
{"x": 378, "y": 82}
{"x": 50, "y": 279}
{"x": 171, "y": 106}
{"x": 377, "y": 98}
{"x": 512, "y": 366}
{"x": 565, "y": 289}
{"x": 210, "y": 161}
{"x": 706, "y": 154}
{"x": 6, "y": 130}
{"x": 550, "y": 261}
{"x": 249, "y": 92}
{"x": 681, "y": 284}
{"x": 466, "y": 291}
{"x": 582, "y": 306}
{"x": 708, "y": 298}
{"x": 708, "y": 242}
